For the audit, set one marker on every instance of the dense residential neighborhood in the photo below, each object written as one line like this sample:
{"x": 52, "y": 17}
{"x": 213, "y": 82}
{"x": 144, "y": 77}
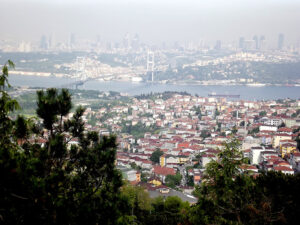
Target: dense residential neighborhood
{"x": 165, "y": 141}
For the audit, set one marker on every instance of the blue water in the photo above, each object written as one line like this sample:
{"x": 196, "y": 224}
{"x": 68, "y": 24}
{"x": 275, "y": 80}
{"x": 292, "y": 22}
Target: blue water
{"x": 245, "y": 92}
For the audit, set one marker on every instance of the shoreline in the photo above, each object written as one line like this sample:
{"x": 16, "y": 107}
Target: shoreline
{"x": 180, "y": 83}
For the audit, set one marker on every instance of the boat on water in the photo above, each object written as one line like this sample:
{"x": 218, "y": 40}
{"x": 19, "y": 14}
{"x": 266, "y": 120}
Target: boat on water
{"x": 256, "y": 84}
{"x": 223, "y": 95}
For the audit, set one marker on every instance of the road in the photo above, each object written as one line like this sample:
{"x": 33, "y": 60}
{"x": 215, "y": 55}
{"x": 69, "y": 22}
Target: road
{"x": 182, "y": 171}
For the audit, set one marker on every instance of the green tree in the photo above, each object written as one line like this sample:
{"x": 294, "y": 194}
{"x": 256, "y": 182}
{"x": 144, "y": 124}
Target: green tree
{"x": 282, "y": 125}
{"x": 173, "y": 180}
{"x": 205, "y": 134}
{"x": 139, "y": 204}
{"x": 254, "y": 130}
{"x": 156, "y": 155}
{"x": 234, "y": 113}
{"x": 234, "y": 130}
{"x": 7, "y": 106}
{"x": 198, "y": 112}
{"x": 242, "y": 123}
{"x": 171, "y": 211}
{"x": 175, "y": 210}
{"x": 57, "y": 183}
{"x": 190, "y": 181}
{"x": 228, "y": 196}
{"x": 262, "y": 113}
{"x": 298, "y": 141}
{"x": 217, "y": 112}
{"x": 282, "y": 192}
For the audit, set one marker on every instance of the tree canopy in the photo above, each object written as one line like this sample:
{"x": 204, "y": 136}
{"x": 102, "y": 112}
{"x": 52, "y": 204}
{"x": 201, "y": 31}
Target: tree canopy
{"x": 156, "y": 155}
{"x": 44, "y": 178}
{"x": 229, "y": 195}
{"x": 173, "y": 180}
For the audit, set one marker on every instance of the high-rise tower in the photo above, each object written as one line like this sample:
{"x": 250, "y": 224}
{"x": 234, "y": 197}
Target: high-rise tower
{"x": 241, "y": 42}
{"x": 150, "y": 64}
{"x": 256, "y": 43}
{"x": 280, "y": 41}
{"x": 44, "y": 43}
{"x": 218, "y": 45}
{"x": 72, "y": 41}
{"x": 262, "y": 42}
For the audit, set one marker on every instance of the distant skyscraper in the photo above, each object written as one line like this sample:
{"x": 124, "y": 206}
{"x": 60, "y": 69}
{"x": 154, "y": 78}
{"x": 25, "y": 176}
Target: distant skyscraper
{"x": 52, "y": 41}
{"x": 44, "y": 43}
{"x": 241, "y": 42}
{"x": 280, "y": 41}
{"x": 126, "y": 41}
{"x": 176, "y": 45}
{"x": 249, "y": 45}
{"x": 109, "y": 46}
{"x": 98, "y": 38}
{"x": 262, "y": 42}
{"x": 24, "y": 47}
{"x": 72, "y": 41}
{"x": 256, "y": 43}
{"x": 136, "y": 42}
{"x": 218, "y": 45}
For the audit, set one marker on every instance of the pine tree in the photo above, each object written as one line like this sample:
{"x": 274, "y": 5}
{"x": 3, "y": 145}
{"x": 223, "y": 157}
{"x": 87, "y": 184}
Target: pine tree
{"x": 229, "y": 196}
{"x": 57, "y": 183}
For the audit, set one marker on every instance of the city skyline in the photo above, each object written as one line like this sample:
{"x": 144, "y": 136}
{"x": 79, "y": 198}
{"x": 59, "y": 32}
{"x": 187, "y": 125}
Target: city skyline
{"x": 155, "y": 22}
{"x": 133, "y": 42}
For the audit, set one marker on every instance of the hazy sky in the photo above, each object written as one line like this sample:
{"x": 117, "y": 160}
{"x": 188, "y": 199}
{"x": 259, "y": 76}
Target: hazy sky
{"x": 155, "y": 21}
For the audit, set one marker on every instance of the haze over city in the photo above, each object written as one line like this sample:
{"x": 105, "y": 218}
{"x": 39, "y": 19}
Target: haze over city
{"x": 154, "y": 21}
{"x": 149, "y": 112}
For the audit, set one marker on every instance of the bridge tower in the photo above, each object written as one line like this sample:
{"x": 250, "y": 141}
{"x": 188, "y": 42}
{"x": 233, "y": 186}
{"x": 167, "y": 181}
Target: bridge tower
{"x": 81, "y": 75}
{"x": 150, "y": 64}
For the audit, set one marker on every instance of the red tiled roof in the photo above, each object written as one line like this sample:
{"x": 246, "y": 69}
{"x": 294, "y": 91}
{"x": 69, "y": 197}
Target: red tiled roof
{"x": 285, "y": 129}
{"x": 283, "y": 135}
{"x": 248, "y": 167}
{"x": 282, "y": 168}
{"x": 208, "y": 156}
{"x": 289, "y": 145}
{"x": 184, "y": 145}
{"x": 164, "y": 170}
{"x": 296, "y": 154}
{"x": 145, "y": 161}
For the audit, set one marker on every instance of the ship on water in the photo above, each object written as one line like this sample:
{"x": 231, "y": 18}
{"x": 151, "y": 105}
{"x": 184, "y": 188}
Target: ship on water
{"x": 223, "y": 95}
{"x": 256, "y": 84}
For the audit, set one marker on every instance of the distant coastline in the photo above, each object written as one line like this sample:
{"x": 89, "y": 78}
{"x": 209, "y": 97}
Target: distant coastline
{"x": 179, "y": 82}
{"x": 268, "y": 92}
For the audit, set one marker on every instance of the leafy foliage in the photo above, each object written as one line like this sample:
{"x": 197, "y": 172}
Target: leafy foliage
{"x": 138, "y": 130}
{"x": 55, "y": 183}
{"x": 156, "y": 155}
{"x": 173, "y": 180}
{"x": 205, "y": 134}
{"x": 230, "y": 196}
{"x": 262, "y": 113}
